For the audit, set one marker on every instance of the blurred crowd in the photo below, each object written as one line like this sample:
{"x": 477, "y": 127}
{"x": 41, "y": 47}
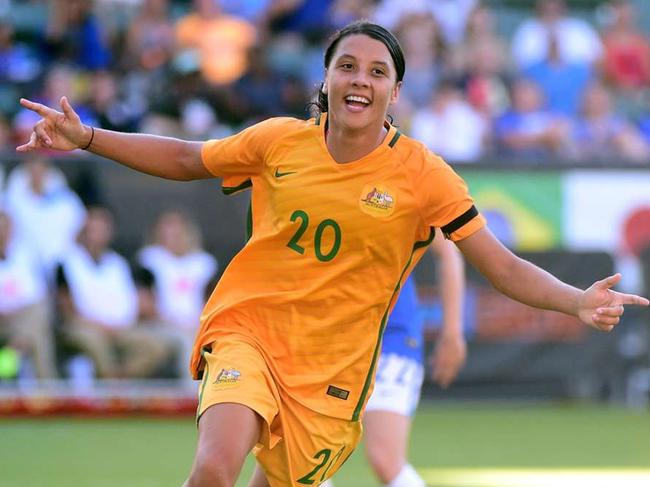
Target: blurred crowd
{"x": 71, "y": 306}
{"x": 558, "y": 87}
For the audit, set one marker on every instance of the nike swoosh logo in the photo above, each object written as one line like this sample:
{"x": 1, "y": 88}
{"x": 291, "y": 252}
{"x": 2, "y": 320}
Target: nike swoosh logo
{"x": 279, "y": 174}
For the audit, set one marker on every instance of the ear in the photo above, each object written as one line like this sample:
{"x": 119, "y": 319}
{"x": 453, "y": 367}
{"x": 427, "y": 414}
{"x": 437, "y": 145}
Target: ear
{"x": 394, "y": 96}
{"x": 324, "y": 87}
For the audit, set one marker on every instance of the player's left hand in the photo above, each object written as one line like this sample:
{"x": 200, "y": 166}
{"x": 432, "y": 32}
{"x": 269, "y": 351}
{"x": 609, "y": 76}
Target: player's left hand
{"x": 601, "y": 307}
{"x": 448, "y": 358}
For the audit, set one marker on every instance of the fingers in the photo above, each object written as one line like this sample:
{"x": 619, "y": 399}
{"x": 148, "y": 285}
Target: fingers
{"x": 633, "y": 299}
{"x": 68, "y": 110}
{"x": 41, "y": 135}
{"x": 444, "y": 377}
{"x": 29, "y": 146}
{"x": 39, "y": 108}
{"x": 605, "y": 321}
{"x": 614, "y": 311}
{"x": 444, "y": 372}
{"x": 609, "y": 282}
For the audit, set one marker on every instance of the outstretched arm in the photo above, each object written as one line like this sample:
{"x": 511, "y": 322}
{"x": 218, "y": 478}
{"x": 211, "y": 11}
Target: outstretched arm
{"x": 451, "y": 351}
{"x": 597, "y": 306}
{"x": 164, "y": 157}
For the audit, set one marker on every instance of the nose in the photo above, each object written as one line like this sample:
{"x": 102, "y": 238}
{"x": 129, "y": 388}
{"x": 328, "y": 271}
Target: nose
{"x": 361, "y": 80}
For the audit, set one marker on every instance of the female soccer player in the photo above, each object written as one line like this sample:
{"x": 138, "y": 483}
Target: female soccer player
{"x": 343, "y": 207}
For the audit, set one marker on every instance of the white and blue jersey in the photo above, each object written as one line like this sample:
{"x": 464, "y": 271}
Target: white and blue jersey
{"x": 399, "y": 370}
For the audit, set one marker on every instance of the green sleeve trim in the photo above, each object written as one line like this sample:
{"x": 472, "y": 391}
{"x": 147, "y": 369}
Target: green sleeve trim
{"x": 228, "y": 190}
{"x": 384, "y": 319}
{"x": 204, "y": 382}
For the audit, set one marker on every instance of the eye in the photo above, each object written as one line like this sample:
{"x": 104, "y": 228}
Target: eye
{"x": 346, "y": 65}
{"x": 378, "y": 72}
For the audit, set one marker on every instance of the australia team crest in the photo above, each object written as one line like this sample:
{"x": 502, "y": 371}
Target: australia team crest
{"x": 377, "y": 200}
{"x": 228, "y": 376}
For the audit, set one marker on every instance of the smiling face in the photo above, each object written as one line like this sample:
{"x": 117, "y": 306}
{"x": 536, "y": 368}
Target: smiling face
{"x": 360, "y": 83}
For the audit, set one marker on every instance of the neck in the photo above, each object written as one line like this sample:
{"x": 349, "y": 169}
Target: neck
{"x": 95, "y": 253}
{"x": 346, "y": 145}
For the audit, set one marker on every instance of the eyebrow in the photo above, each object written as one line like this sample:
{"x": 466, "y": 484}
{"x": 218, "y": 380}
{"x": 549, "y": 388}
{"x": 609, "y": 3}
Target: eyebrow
{"x": 344, "y": 55}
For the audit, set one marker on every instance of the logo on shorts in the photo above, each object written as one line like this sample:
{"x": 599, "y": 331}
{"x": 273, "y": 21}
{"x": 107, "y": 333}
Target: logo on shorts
{"x": 338, "y": 392}
{"x": 228, "y": 376}
{"x": 377, "y": 200}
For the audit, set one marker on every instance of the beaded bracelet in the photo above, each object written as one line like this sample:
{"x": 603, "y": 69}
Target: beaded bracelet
{"x": 92, "y": 136}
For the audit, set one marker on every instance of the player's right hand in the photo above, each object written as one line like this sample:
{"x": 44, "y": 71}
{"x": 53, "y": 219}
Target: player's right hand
{"x": 55, "y": 130}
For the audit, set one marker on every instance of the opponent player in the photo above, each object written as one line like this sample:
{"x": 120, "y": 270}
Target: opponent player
{"x": 343, "y": 207}
{"x": 400, "y": 370}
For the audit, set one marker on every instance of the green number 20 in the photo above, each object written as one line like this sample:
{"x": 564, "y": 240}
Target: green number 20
{"x": 318, "y": 236}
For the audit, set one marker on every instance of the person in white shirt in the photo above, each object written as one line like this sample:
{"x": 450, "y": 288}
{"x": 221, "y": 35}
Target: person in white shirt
{"x": 99, "y": 299}
{"x": 25, "y": 320}
{"x": 45, "y": 211}
{"x": 578, "y": 42}
{"x": 450, "y": 126}
{"x": 182, "y": 272}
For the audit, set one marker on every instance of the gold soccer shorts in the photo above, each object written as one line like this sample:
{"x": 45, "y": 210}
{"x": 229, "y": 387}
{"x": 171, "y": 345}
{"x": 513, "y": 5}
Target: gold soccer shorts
{"x": 298, "y": 446}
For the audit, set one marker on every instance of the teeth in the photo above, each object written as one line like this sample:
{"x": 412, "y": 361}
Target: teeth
{"x": 360, "y": 99}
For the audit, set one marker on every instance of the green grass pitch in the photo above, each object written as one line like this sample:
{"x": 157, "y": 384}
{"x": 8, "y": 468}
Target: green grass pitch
{"x": 448, "y": 441}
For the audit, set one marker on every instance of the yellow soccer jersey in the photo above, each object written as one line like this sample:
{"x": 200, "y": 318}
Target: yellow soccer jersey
{"x": 330, "y": 246}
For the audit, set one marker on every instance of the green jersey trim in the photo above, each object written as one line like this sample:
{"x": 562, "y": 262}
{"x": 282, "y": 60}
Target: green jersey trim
{"x": 393, "y": 141}
{"x": 249, "y": 221}
{"x": 366, "y": 385}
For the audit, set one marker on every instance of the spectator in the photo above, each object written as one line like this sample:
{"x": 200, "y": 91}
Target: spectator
{"x": 481, "y": 62}
{"x": 626, "y": 64}
{"x": 308, "y": 18}
{"x": 527, "y": 130}
{"x": 45, "y": 211}
{"x": 182, "y": 272}
{"x": 99, "y": 301}
{"x": 75, "y": 35}
{"x": 599, "y": 134}
{"x": 18, "y": 62}
{"x": 263, "y": 91}
{"x": 215, "y": 42}
{"x": 424, "y": 49}
{"x": 452, "y": 16}
{"x": 578, "y": 42}
{"x": 345, "y": 11}
{"x": 150, "y": 36}
{"x": 24, "y": 307}
{"x": 112, "y": 112}
{"x": 450, "y": 126}
{"x": 562, "y": 82}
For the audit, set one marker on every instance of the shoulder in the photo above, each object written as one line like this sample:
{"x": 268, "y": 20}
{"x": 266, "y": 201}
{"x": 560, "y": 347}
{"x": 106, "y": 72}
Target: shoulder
{"x": 415, "y": 156}
{"x": 116, "y": 260}
{"x": 264, "y": 134}
{"x": 281, "y": 125}
{"x": 151, "y": 255}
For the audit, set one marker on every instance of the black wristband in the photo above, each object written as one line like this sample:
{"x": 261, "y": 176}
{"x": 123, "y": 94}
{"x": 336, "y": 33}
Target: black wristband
{"x": 92, "y": 136}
